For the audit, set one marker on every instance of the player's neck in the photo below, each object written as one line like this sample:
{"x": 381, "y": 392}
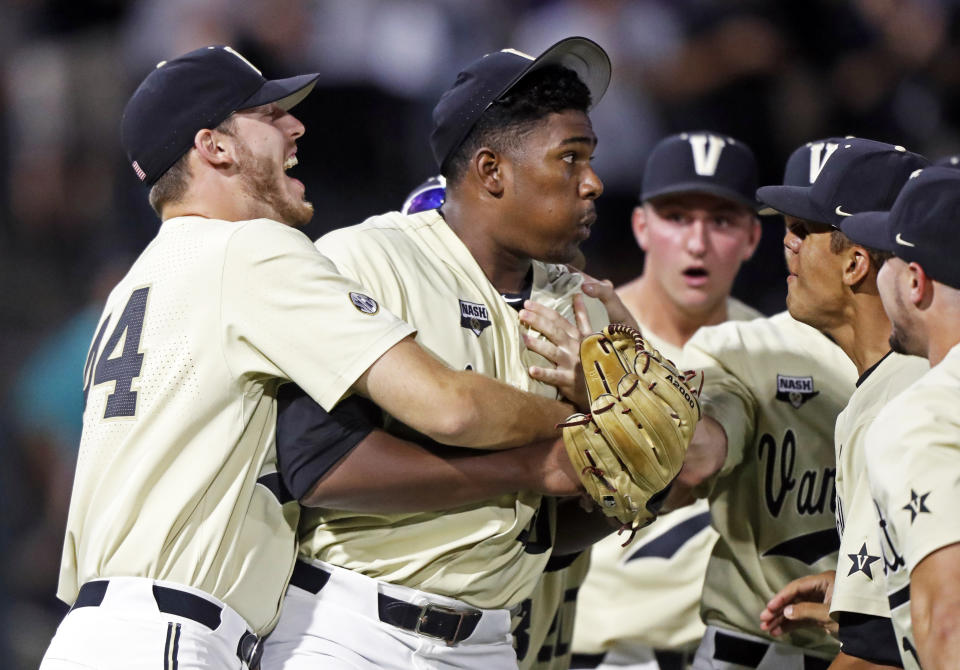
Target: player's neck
{"x": 940, "y": 323}
{"x": 864, "y": 334}
{"x": 655, "y": 311}
{"x": 506, "y": 269}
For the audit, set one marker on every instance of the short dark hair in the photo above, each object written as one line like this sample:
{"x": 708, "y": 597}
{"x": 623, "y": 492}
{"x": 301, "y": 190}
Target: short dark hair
{"x": 839, "y": 242}
{"x": 549, "y": 90}
{"x": 172, "y": 184}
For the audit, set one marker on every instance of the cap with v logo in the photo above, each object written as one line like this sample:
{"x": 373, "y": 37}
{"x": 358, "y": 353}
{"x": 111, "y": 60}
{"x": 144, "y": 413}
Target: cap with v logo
{"x": 923, "y": 225}
{"x": 701, "y": 162}
{"x": 845, "y": 177}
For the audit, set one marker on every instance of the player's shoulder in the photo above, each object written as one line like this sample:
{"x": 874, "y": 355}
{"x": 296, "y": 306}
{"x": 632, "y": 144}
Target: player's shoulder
{"x": 390, "y": 232}
{"x": 741, "y": 311}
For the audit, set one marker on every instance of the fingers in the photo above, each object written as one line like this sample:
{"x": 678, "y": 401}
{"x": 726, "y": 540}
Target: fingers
{"x": 550, "y": 324}
{"x": 604, "y": 292}
{"x": 803, "y": 603}
{"x": 581, "y": 316}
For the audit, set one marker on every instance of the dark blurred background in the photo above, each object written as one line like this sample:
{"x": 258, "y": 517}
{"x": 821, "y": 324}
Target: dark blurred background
{"x": 73, "y": 215}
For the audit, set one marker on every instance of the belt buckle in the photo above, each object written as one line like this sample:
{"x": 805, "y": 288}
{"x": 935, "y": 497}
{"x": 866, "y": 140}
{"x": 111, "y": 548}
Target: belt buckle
{"x": 430, "y": 607}
{"x": 251, "y": 650}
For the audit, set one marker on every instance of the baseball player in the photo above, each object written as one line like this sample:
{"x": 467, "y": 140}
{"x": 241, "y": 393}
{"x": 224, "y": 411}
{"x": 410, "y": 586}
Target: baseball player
{"x": 911, "y": 447}
{"x": 763, "y": 455}
{"x": 832, "y": 287}
{"x": 180, "y": 538}
{"x": 696, "y": 224}
{"x": 439, "y": 588}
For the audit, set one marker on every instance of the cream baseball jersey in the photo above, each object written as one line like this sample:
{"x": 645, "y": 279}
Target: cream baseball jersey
{"x": 913, "y": 465}
{"x": 491, "y": 554}
{"x": 176, "y": 474}
{"x": 663, "y": 567}
{"x": 859, "y": 586}
{"x": 776, "y": 386}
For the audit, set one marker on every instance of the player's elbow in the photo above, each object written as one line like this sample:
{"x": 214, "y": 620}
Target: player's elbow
{"x": 457, "y": 423}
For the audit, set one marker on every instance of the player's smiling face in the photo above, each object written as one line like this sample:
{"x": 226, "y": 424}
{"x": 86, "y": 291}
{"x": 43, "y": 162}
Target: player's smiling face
{"x": 552, "y": 189}
{"x": 815, "y": 289}
{"x": 694, "y": 245}
{"x": 266, "y": 148}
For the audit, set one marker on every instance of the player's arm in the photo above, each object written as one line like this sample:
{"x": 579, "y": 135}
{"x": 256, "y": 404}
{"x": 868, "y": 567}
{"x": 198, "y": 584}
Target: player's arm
{"x": 342, "y": 460}
{"x": 706, "y": 455}
{"x": 580, "y": 526}
{"x": 844, "y": 661}
{"x": 454, "y": 407}
{"x": 935, "y": 607}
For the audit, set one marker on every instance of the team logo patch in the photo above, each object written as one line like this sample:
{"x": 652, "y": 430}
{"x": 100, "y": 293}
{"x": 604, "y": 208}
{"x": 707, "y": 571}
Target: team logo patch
{"x": 364, "y": 303}
{"x": 795, "y": 390}
{"x": 917, "y": 505}
{"x": 862, "y": 561}
{"x": 474, "y": 317}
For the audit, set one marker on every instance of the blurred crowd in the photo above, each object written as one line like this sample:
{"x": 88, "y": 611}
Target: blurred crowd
{"x": 73, "y": 214}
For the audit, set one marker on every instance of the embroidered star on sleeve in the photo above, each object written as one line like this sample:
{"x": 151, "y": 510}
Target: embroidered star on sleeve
{"x": 862, "y": 562}
{"x": 917, "y": 505}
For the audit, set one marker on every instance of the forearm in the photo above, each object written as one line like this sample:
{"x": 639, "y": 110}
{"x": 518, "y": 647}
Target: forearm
{"x": 578, "y": 529}
{"x": 847, "y": 662}
{"x": 385, "y": 474}
{"x": 459, "y": 408}
{"x": 935, "y": 608}
{"x": 705, "y": 457}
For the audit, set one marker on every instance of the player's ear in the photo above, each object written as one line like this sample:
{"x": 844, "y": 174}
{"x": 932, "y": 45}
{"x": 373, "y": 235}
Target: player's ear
{"x": 638, "y": 221}
{"x": 919, "y": 286}
{"x": 214, "y": 148}
{"x": 489, "y": 168}
{"x": 856, "y": 265}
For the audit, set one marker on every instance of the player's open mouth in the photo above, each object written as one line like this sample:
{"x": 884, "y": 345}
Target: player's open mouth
{"x": 289, "y": 163}
{"x": 695, "y": 277}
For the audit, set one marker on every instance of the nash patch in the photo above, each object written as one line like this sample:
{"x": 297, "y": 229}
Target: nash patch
{"x": 474, "y": 317}
{"x": 795, "y": 390}
{"x": 364, "y": 303}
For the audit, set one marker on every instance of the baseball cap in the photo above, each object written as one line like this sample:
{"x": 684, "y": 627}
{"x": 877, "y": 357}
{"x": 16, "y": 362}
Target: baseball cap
{"x": 195, "y": 91}
{"x": 803, "y": 164}
{"x": 923, "y": 226}
{"x": 487, "y": 79}
{"x": 701, "y": 162}
{"x": 428, "y": 195}
{"x": 858, "y": 176}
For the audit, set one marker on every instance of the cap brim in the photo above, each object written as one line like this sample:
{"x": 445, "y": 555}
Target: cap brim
{"x": 583, "y": 56}
{"x": 286, "y": 93}
{"x": 791, "y": 200}
{"x": 871, "y": 229}
{"x": 702, "y": 187}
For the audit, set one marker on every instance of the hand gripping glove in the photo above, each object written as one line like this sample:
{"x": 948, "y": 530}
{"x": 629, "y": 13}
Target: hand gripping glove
{"x": 631, "y": 445}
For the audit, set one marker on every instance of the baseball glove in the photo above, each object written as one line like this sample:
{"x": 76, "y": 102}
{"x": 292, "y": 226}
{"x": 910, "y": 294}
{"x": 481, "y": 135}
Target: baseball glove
{"x": 631, "y": 445}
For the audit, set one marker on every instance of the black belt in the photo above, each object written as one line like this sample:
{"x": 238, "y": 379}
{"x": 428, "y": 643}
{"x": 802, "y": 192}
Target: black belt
{"x": 436, "y": 621}
{"x": 750, "y": 653}
{"x": 182, "y": 604}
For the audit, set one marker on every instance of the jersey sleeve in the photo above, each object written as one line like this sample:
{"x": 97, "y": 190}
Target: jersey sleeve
{"x": 310, "y": 440}
{"x": 725, "y": 396}
{"x": 869, "y": 637}
{"x": 286, "y": 312}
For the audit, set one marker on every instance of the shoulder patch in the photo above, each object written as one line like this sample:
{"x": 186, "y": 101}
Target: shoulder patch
{"x": 474, "y": 316}
{"x": 795, "y": 390}
{"x": 364, "y": 303}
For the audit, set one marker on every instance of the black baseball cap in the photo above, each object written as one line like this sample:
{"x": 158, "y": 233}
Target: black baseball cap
{"x": 804, "y": 164}
{"x": 858, "y": 176}
{"x": 195, "y": 91}
{"x": 922, "y": 227}
{"x": 489, "y": 78}
{"x": 701, "y": 162}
